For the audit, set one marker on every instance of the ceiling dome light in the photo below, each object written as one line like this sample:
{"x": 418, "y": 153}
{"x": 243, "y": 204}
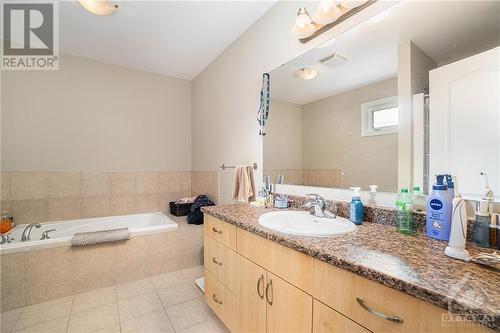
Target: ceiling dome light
{"x": 349, "y": 4}
{"x": 306, "y": 73}
{"x": 100, "y": 7}
{"x": 327, "y": 12}
{"x": 302, "y": 28}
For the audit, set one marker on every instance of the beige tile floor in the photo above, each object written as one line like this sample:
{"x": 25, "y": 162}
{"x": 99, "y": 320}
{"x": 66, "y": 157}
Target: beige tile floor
{"x": 165, "y": 303}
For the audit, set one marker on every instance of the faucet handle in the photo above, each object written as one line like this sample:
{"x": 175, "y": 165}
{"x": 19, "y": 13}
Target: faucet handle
{"x": 45, "y": 234}
{"x": 314, "y": 196}
{"x": 5, "y": 239}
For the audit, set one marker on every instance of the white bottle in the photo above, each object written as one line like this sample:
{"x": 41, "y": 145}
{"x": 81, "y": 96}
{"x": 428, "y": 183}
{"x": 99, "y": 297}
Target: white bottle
{"x": 372, "y": 194}
{"x": 458, "y": 233}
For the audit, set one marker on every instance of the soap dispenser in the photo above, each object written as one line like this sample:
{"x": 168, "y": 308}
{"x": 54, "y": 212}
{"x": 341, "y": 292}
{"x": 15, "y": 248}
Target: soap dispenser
{"x": 356, "y": 206}
{"x": 372, "y": 194}
{"x": 438, "y": 221}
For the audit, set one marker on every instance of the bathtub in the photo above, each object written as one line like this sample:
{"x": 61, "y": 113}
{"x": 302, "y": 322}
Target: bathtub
{"x": 138, "y": 224}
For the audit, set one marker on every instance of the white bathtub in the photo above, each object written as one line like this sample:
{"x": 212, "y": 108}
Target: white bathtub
{"x": 138, "y": 224}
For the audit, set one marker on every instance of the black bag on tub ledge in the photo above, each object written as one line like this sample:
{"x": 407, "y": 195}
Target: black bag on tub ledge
{"x": 195, "y": 215}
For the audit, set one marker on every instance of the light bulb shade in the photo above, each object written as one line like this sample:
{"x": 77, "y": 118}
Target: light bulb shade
{"x": 349, "y": 4}
{"x": 302, "y": 28}
{"x": 100, "y": 7}
{"x": 306, "y": 73}
{"x": 327, "y": 12}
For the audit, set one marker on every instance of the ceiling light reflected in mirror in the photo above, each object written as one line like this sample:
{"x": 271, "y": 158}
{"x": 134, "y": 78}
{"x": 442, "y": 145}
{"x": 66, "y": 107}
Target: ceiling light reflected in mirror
{"x": 100, "y": 7}
{"x": 306, "y": 73}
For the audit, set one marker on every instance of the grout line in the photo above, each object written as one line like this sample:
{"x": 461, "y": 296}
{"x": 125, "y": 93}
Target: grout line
{"x": 15, "y": 323}
{"x": 164, "y": 309}
{"x": 118, "y": 312}
{"x": 70, "y": 314}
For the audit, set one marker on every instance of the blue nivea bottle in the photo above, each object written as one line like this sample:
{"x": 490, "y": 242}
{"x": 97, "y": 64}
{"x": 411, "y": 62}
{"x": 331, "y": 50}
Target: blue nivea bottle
{"x": 439, "y": 206}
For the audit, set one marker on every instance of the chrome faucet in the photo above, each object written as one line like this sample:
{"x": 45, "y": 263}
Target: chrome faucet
{"x": 27, "y": 231}
{"x": 5, "y": 239}
{"x": 45, "y": 234}
{"x": 317, "y": 207}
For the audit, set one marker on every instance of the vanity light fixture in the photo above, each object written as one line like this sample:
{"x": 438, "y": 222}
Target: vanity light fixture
{"x": 100, "y": 7}
{"x": 327, "y": 12}
{"x": 350, "y": 4}
{"x": 306, "y": 73}
{"x": 302, "y": 28}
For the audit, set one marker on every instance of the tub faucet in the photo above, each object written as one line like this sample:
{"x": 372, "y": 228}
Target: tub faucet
{"x": 27, "y": 231}
{"x": 5, "y": 239}
{"x": 45, "y": 234}
{"x": 317, "y": 207}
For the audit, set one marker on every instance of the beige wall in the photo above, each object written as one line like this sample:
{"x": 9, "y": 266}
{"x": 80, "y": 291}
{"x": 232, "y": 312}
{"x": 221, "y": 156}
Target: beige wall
{"x": 283, "y": 142}
{"x": 226, "y": 94}
{"x": 91, "y": 116}
{"x": 332, "y": 139}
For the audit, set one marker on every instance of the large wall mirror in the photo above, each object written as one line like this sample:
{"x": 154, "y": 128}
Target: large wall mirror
{"x": 412, "y": 92}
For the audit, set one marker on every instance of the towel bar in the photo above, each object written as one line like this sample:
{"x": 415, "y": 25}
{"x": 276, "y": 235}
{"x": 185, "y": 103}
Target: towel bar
{"x": 225, "y": 166}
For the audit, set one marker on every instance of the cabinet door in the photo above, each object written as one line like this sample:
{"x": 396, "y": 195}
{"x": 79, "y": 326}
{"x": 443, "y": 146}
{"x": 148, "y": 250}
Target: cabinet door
{"x": 251, "y": 314}
{"x": 289, "y": 309}
{"x": 327, "y": 320}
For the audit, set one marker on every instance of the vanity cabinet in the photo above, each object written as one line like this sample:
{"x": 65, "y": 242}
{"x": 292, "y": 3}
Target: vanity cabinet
{"x": 267, "y": 303}
{"x": 256, "y": 285}
{"x": 220, "y": 269}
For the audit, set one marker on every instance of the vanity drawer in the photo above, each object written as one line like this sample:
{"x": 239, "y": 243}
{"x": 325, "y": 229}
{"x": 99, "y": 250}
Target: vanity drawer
{"x": 344, "y": 291}
{"x": 327, "y": 320}
{"x": 221, "y": 262}
{"x": 220, "y": 300}
{"x": 222, "y": 232}
{"x": 292, "y": 266}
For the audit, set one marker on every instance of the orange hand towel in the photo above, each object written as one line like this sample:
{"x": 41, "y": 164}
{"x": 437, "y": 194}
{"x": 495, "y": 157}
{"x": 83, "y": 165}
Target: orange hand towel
{"x": 243, "y": 183}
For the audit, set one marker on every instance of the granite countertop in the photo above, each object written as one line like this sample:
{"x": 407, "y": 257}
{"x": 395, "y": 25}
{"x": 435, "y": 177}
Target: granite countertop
{"x": 415, "y": 265}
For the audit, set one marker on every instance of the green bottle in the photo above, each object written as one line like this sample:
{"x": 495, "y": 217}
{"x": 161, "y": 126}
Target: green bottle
{"x": 404, "y": 207}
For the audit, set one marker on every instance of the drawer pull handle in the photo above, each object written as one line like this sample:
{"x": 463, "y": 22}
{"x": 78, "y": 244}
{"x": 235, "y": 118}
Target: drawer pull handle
{"x": 394, "y": 319}
{"x": 216, "y": 300}
{"x": 216, "y": 262}
{"x": 217, "y": 231}
{"x": 269, "y": 286}
{"x": 259, "y": 281}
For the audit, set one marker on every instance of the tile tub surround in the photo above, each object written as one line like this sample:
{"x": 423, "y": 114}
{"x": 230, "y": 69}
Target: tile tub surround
{"x": 37, "y": 276}
{"x": 205, "y": 182}
{"x": 163, "y": 303}
{"x": 415, "y": 265}
{"x": 52, "y": 196}
{"x": 309, "y": 177}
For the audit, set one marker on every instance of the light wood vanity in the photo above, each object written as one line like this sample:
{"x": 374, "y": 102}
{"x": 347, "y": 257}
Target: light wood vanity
{"x": 256, "y": 285}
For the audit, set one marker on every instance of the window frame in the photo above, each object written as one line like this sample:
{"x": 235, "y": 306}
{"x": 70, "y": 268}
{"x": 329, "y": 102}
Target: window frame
{"x": 367, "y": 111}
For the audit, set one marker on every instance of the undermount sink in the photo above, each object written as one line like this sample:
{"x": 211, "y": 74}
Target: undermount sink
{"x": 304, "y": 224}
